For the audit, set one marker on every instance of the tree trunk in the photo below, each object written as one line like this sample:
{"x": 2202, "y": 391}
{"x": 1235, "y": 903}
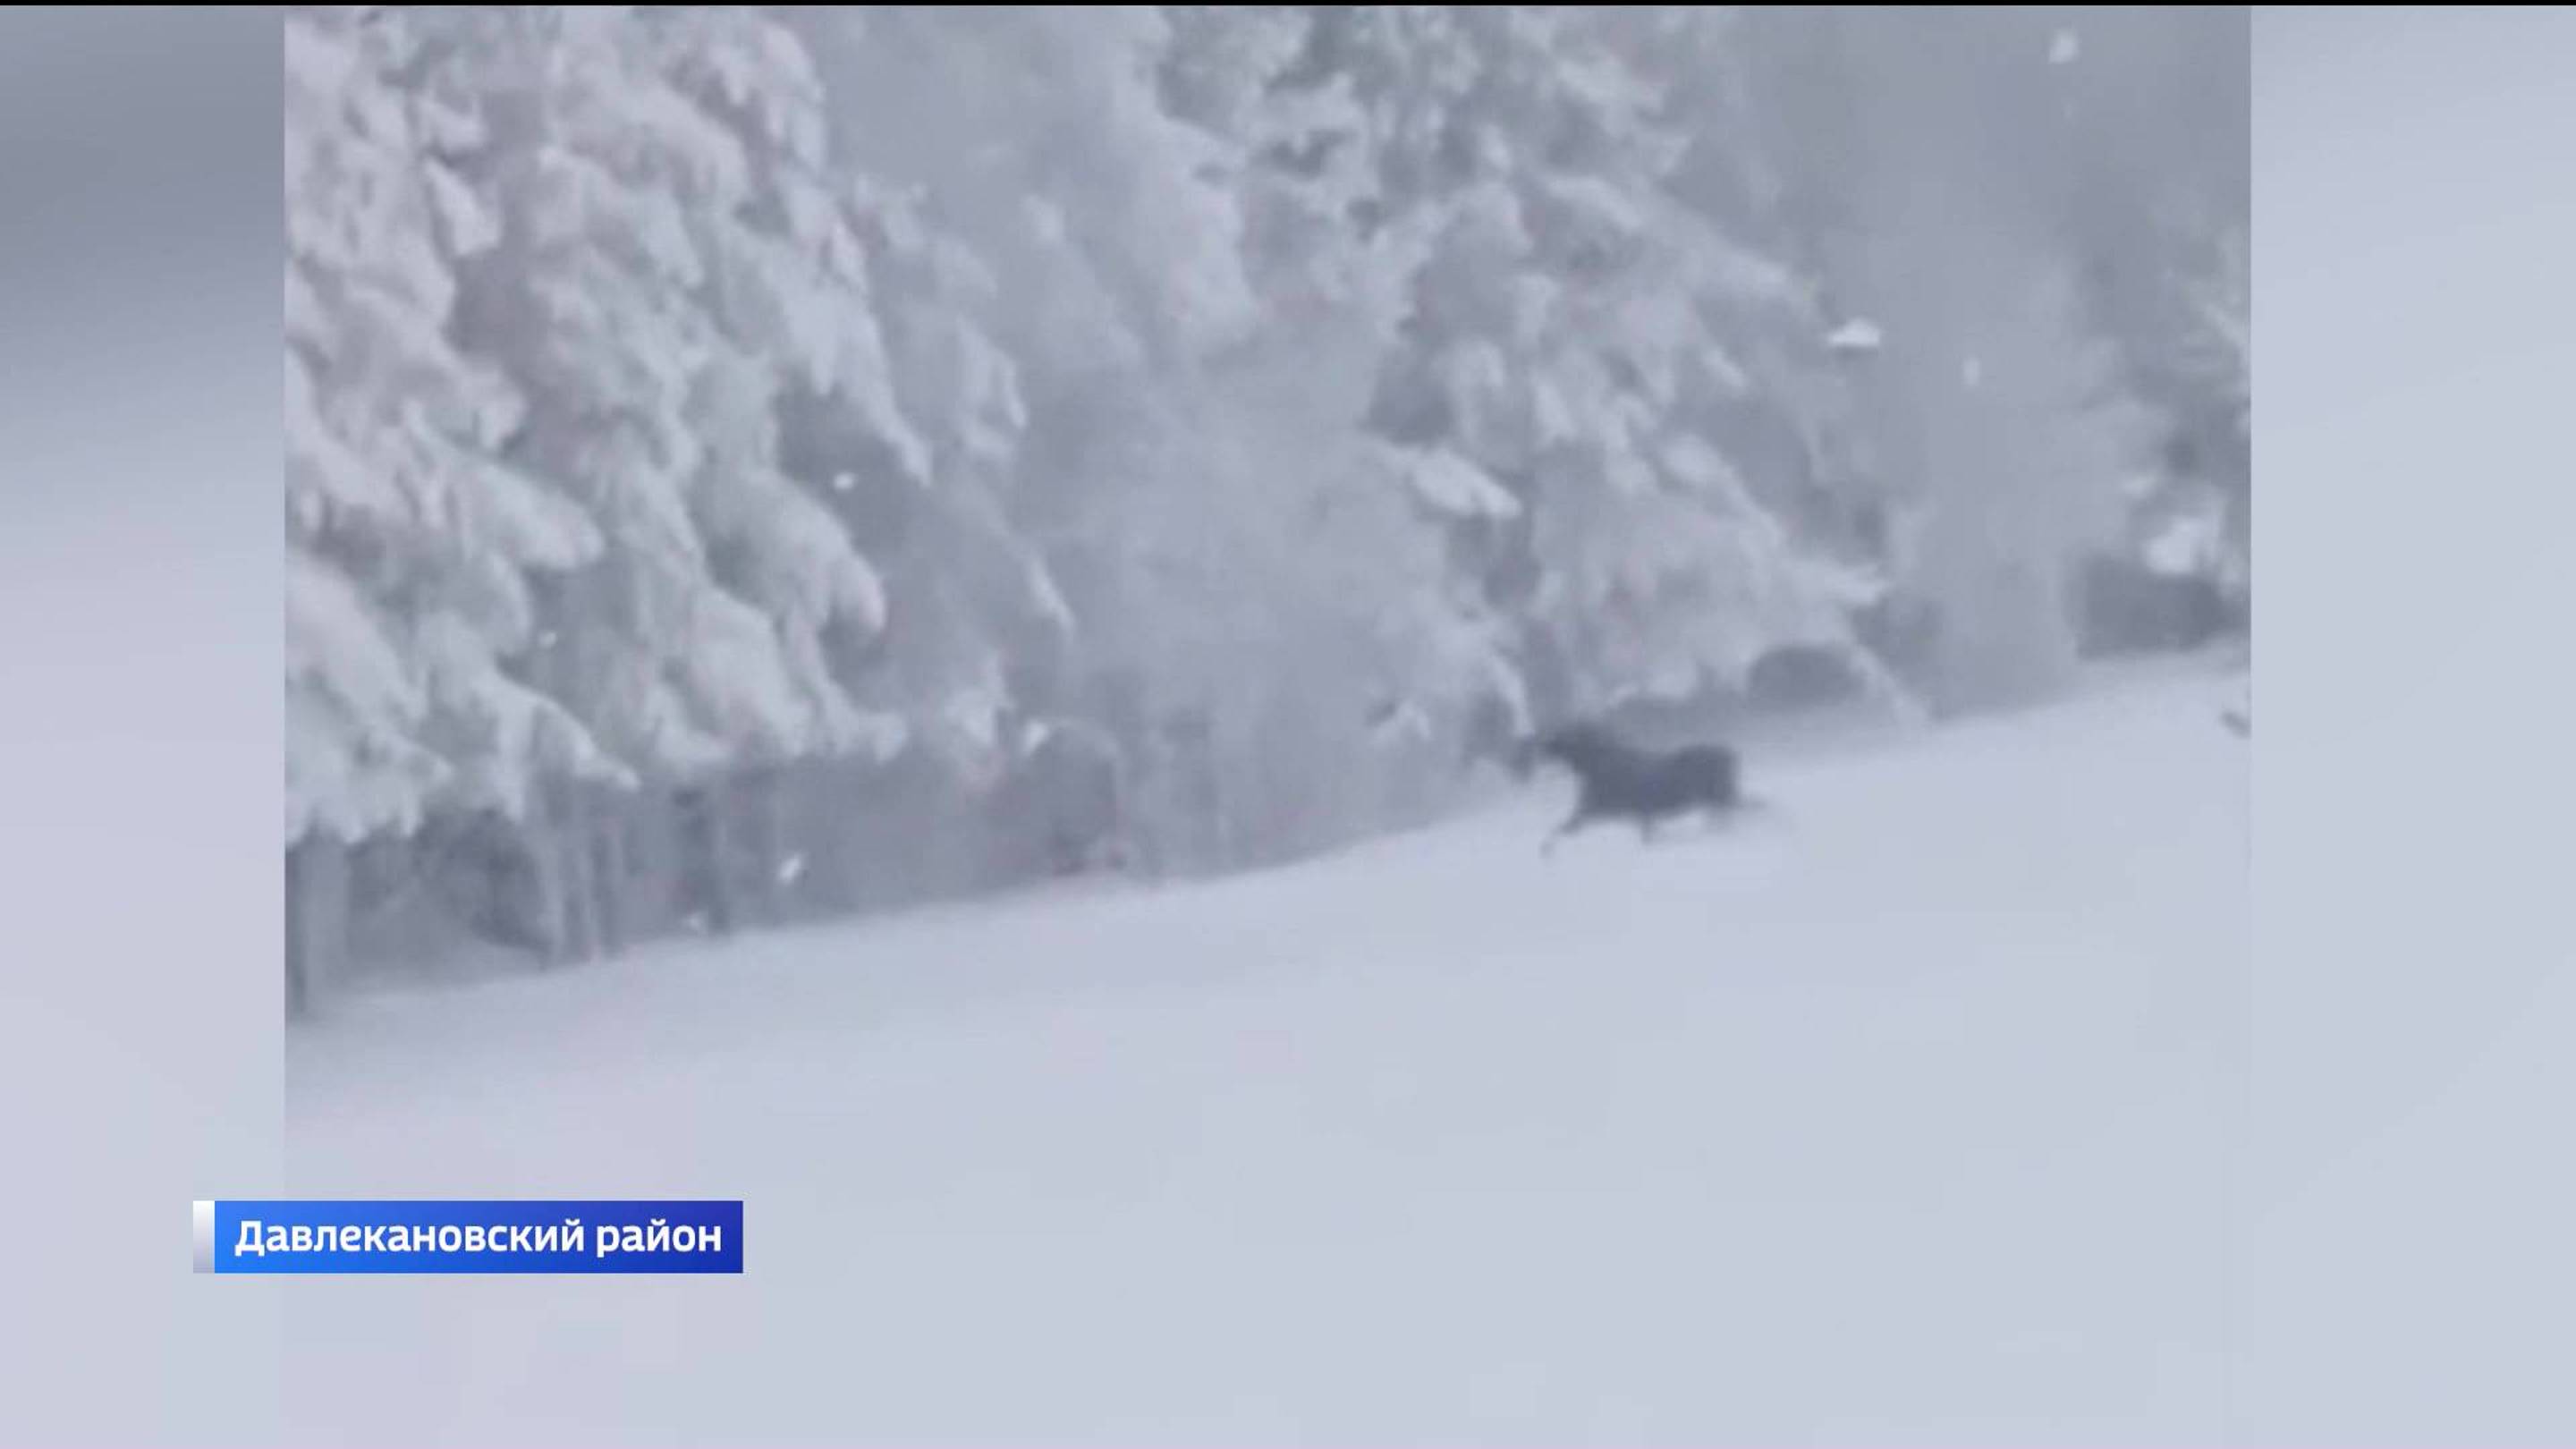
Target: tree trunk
{"x": 317, "y": 917}
{"x": 547, "y": 924}
{"x": 609, "y": 873}
{"x": 568, "y": 838}
{"x": 761, "y": 799}
{"x": 554, "y": 849}
{"x": 706, "y": 847}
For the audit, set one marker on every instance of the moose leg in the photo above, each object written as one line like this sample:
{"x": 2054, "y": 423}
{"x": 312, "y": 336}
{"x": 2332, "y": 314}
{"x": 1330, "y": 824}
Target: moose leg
{"x": 1573, "y": 823}
{"x": 1730, "y": 814}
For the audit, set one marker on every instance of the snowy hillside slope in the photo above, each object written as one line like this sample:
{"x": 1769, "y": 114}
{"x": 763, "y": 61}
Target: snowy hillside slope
{"x": 1895, "y": 1118}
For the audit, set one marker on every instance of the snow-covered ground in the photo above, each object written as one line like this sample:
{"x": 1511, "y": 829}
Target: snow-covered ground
{"x": 1897, "y": 1118}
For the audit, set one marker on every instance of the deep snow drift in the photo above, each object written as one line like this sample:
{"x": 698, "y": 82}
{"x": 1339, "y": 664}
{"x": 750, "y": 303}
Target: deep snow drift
{"x": 1894, "y": 1118}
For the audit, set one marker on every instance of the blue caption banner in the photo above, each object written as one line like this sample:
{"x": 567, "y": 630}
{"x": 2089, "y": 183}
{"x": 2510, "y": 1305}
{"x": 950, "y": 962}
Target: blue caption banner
{"x": 301, "y": 1236}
